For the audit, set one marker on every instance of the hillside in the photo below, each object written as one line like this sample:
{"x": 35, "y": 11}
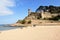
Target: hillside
{"x": 43, "y": 14}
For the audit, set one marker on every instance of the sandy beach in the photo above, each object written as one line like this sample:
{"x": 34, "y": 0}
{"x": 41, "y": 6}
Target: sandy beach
{"x": 32, "y": 33}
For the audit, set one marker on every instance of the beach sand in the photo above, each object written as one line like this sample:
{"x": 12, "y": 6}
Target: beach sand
{"x": 32, "y": 33}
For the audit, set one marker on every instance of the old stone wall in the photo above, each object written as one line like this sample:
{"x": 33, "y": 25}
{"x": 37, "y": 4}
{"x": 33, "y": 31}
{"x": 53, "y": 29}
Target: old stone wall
{"x": 48, "y": 15}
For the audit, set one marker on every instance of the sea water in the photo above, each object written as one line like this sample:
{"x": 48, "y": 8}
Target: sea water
{"x": 3, "y": 28}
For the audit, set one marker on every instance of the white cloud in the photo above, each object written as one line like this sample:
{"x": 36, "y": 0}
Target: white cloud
{"x": 4, "y": 4}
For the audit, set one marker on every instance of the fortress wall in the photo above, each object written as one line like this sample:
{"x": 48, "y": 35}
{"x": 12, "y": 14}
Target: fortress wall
{"x": 55, "y": 14}
{"x": 49, "y": 15}
{"x": 44, "y": 21}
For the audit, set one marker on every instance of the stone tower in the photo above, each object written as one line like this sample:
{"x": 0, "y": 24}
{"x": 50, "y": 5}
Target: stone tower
{"x": 42, "y": 14}
{"x": 29, "y": 11}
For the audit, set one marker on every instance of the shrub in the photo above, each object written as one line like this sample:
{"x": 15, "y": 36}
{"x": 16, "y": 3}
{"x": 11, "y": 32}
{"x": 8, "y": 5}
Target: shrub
{"x": 38, "y": 18}
{"x": 55, "y": 18}
{"x": 23, "y": 22}
{"x": 29, "y": 22}
{"x": 45, "y": 19}
{"x": 19, "y": 21}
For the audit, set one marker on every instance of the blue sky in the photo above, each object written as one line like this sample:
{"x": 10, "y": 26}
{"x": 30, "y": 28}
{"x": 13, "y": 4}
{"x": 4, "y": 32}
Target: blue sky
{"x": 13, "y": 10}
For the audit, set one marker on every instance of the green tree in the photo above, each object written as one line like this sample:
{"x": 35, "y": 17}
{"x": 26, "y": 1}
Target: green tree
{"x": 23, "y": 22}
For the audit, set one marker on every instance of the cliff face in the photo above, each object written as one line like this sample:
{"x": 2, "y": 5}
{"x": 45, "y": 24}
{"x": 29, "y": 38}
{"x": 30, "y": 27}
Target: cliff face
{"x": 33, "y": 16}
{"x": 44, "y": 14}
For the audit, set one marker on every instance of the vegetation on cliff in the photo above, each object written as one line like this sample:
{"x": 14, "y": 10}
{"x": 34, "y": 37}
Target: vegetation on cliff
{"x": 24, "y": 21}
{"x": 21, "y": 21}
{"x": 55, "y": 18}
{"x": 51, "y": 9}
{"x": 29, "y": 22}
{"x": 37, "y": 15}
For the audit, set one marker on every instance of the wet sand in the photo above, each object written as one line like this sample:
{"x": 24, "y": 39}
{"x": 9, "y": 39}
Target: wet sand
{"x": 32, "y": 33}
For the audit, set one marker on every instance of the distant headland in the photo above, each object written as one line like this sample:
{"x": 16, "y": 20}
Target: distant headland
{"x": 42, "y": 15}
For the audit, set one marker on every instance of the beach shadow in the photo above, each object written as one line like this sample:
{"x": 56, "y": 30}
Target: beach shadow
{"x": 34, "y": 25}
{"x": 21, "y": 27}
{"x": 0, "y": 32}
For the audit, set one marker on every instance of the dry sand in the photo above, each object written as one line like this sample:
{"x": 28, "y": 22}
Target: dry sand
{"x": 32, "y": 33}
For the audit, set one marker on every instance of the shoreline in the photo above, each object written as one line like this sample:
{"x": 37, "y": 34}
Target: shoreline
{"x": 32, "y": 33}
{"x": 41, "y": 24}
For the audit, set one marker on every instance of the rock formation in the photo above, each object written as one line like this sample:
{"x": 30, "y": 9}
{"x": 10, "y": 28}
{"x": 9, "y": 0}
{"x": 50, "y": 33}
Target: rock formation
{"x": 44, "y": 14}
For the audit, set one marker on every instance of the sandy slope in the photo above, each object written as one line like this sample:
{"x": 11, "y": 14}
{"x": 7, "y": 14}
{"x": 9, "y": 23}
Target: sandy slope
{"x": 32, "y": 33}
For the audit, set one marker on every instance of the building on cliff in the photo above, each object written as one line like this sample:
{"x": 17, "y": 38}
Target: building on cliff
{"x": 40, "y": 15}
{"x": 44, "y": 14}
